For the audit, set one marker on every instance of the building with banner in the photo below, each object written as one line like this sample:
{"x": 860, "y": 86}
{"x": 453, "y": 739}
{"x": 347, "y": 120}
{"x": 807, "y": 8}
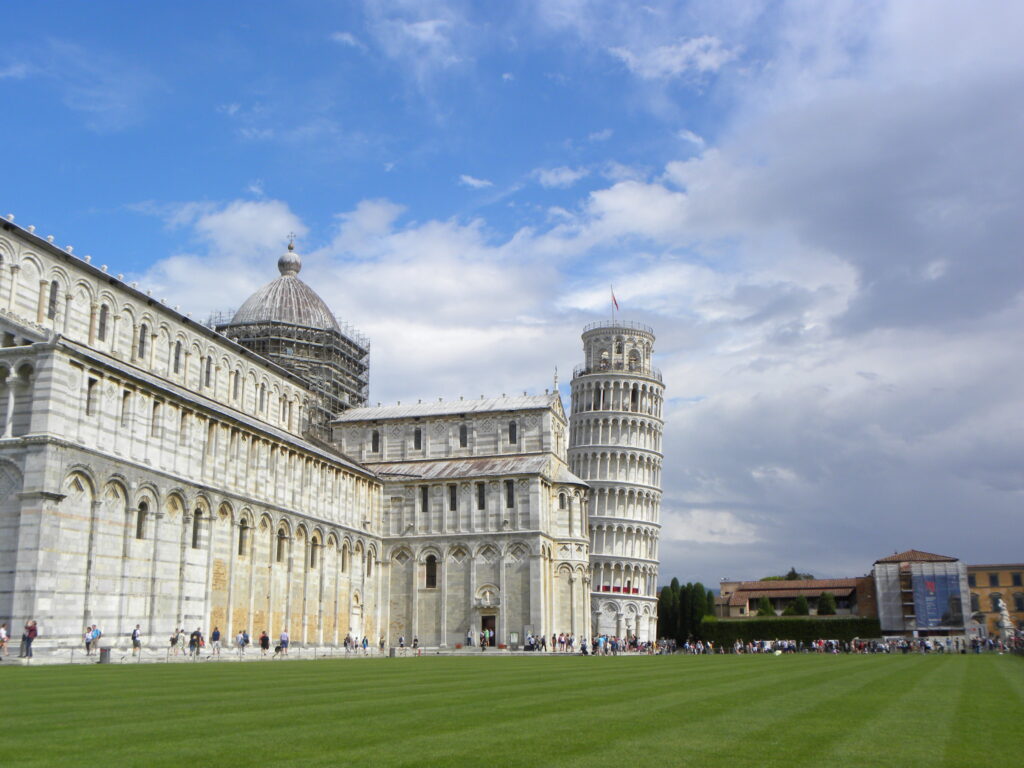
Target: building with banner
{"x": 920, "y": 593}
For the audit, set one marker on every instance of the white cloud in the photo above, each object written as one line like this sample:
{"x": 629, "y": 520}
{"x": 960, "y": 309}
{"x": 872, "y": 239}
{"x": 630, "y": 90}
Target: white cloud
{"x": 16, "y": 71}
{"x": 561, "y": 177}
{"x": 347, "y": 38}
{"x": 473, "y": 182}
{"x": 705, "y": 526}
{"x": 508, "y": 77}
{"x": 698, "y": 54}
{"x": 691, "y": 137}
{"x": 602, "y": 135}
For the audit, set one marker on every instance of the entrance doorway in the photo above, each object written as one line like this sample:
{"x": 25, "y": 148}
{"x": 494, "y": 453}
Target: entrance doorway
{"x": 489, "y": 623}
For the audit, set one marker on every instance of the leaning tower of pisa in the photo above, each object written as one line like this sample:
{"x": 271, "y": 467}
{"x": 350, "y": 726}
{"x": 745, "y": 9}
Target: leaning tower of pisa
{"x": 615, "y": 445}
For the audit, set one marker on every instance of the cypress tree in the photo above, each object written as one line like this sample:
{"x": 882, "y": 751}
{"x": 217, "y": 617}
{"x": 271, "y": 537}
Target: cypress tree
{"x": 800, "y": 606}
{"x": 684, "y": 629}
{"x": 666, "y": 613}
{"x": 764, "y": 607}
{"x": 698, "y": 603}
{"x": 710, "y": 610}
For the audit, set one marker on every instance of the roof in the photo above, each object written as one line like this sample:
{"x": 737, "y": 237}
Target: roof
{"x": 916, "y": 556}
{"x": 448, "y": 408}
{"x": 755, "y": 590}
{"x": 287, "y": 300}
{"x": 485, "y": 466}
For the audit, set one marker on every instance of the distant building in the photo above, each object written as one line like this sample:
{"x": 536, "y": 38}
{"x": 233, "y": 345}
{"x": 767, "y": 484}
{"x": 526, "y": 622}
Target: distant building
{"x": 920, "y": 593}
{"x": 991, "y": 583}
{"x": 854, "y": 597}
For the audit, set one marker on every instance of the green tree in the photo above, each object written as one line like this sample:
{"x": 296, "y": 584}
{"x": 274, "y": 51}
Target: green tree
{"x": 795, "y": 575}
{"x": 827, "y": 604}
{"x": 710, "y": 610}
{"x": 698, "y": 602}
{"x": 764, "y": 607}
{"x": 799, "y": 606}
{"x": 667, "y": 613}
{"x": 684, "y": 628}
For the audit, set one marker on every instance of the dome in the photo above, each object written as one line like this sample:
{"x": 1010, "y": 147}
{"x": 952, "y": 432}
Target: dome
{"x": 287, "y": 300}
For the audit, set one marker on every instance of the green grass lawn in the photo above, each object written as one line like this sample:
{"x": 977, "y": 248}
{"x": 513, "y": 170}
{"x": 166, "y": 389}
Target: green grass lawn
{"x": 495, "y": 712}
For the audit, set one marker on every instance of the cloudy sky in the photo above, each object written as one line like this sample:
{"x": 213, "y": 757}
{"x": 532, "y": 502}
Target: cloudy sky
{"x": 818, "y": 206}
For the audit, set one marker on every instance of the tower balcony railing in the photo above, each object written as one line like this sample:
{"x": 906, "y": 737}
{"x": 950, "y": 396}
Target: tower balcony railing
{"x": 585, "y": 370}
{"x": 631, "y": 325}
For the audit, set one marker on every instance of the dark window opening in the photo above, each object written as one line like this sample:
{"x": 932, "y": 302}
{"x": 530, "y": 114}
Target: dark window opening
{"x": 282, "y": 545}
{"x": 453, "y": 498}
{"x": 140, "y": 521}
{"x": 51, "y": 310}
{"x": 197, "y": 522}
{"x": 143, "y": 333}
{"x": 375, "y": 441}
{"x": 424, "y": 498}
{"x": 481, "y": 496}
{"x": 993, "y": 579}
{"x": 463, "y": 436}
{"x": 561, "y": 501}
{"x": 177, "y": 357}
{"x": 417, "y": 438}
{"x": 90, "y": 396}
{"x": 513, "y": 436}
{"x": 510, "y": 493}
{"x": 243, "y": 537}
{"x": 102, "y": 331}
{"x": 431, "y": 569}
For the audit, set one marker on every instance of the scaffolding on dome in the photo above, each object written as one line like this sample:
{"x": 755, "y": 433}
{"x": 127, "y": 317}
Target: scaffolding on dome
{"x": 335, "y": 366}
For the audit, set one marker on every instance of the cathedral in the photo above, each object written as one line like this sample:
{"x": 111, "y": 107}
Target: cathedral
{"x": 165, "y": 472}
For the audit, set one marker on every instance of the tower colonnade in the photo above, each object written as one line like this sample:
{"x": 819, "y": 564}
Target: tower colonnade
{"x": 615, "y": 440}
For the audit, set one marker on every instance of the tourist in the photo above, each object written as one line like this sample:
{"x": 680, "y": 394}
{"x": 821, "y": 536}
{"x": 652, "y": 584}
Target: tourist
{"x": 366, "y": 646}
{"x": 3, "y": 639}
{"x": 31, "y": 633}
{"x": 381, "y": 643}
{"x": 284, "y": 642}
{"x": 137, "y": 640}
{"x": 87, "y": 637}
{"x": 174, "y": 641}
{"x": 215, "y": 641}
{"x": 240, "y": 642}
{"x": 264, "y": 642}
{"x": 195, "y": 640}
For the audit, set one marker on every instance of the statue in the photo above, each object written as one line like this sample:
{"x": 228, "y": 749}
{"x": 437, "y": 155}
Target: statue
{"x": 1005, "y": 624}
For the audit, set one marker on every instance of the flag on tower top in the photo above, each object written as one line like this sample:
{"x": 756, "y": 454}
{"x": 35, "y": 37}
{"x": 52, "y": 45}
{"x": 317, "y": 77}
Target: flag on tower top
{"x": 615, "y": 302}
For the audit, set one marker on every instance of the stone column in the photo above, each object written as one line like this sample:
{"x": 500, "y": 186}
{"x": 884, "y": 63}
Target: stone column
{"x": 502, "y": 628}
{"x": 13, "y": 287}
{"x": 186, "y": 530}
{"x": 93, "y": 318}
{"x": 12, "y": 379}
{"x": 443, "y": 575}
{"x": 41, "y": 304}
{"x": 68, "y": 296}
{"x": 572, "y": 604}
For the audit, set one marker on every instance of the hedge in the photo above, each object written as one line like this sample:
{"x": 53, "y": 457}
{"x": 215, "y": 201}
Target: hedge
{"x": 725, "y": 632}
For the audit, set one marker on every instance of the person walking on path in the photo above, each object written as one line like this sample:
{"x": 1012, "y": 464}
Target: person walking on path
{"x": 264, "y": 642}
{"x": 194, "y": 641}
{"x": 4, "y": 639}
{"x": 137, "y": 640}
{"x": 87, "y": 637}
{"x": 240, "y": 642}
{"x": 284, "y": 642}
{"x": 215, "y": 641}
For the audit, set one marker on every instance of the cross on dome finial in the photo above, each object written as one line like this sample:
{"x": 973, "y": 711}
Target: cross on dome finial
{"x": 290, "y": 263}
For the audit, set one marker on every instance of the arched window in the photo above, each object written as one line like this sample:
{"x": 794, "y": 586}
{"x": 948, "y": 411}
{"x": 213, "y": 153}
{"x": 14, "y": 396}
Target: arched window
{"x": 375, "y": 441}
{"x": 140, "y": 520}
{"x": 344, "y": 559}
{"x": 975, "y": 603}
{"x": 236, "y": 387}
{"x": 143, "y": 334}
{"x": 431, "y": 582}
{"x": 208, "y": 375}
{"x": 197, "y": 528}
{"x": 994, "y": 599}
{"x": 369, "y": 564}
{"x": 561, "y": 501}
{"x": 314, "y": 545}
{"x": 177, "y": 356}
{"x": 154, "y": 425}
{"x": 463, "y": 436}
{"x": 634, "y": 360}
{"x": 417, "y": 438}
{"x": 51, "y": 309}
{"x": 282, "y": 545}
{"x": 513, "y": 433}
{"x": 102, "y": 330}
{"x": 263, "y": 397}
{"x": 603, "y": 363}
{"x": 618, "y": 347}
{"x": 243, "y": 537}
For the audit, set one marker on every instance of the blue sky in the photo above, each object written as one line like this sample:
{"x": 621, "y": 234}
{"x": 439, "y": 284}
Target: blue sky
{"x": 816, "y": 205}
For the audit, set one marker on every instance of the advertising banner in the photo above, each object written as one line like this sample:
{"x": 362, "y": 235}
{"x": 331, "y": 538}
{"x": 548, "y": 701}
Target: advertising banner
{"x": 937, "y": 601}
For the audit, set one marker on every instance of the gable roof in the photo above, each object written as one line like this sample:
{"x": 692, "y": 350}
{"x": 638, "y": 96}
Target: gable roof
{"x": 916, "y": 556}
{"x": 453, "y": 408}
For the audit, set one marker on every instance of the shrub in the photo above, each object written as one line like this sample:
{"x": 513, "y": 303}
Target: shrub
{"x": 725, "y": 632}
{"x": 764, "y": 608}
{"x": 827, "y": 604}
